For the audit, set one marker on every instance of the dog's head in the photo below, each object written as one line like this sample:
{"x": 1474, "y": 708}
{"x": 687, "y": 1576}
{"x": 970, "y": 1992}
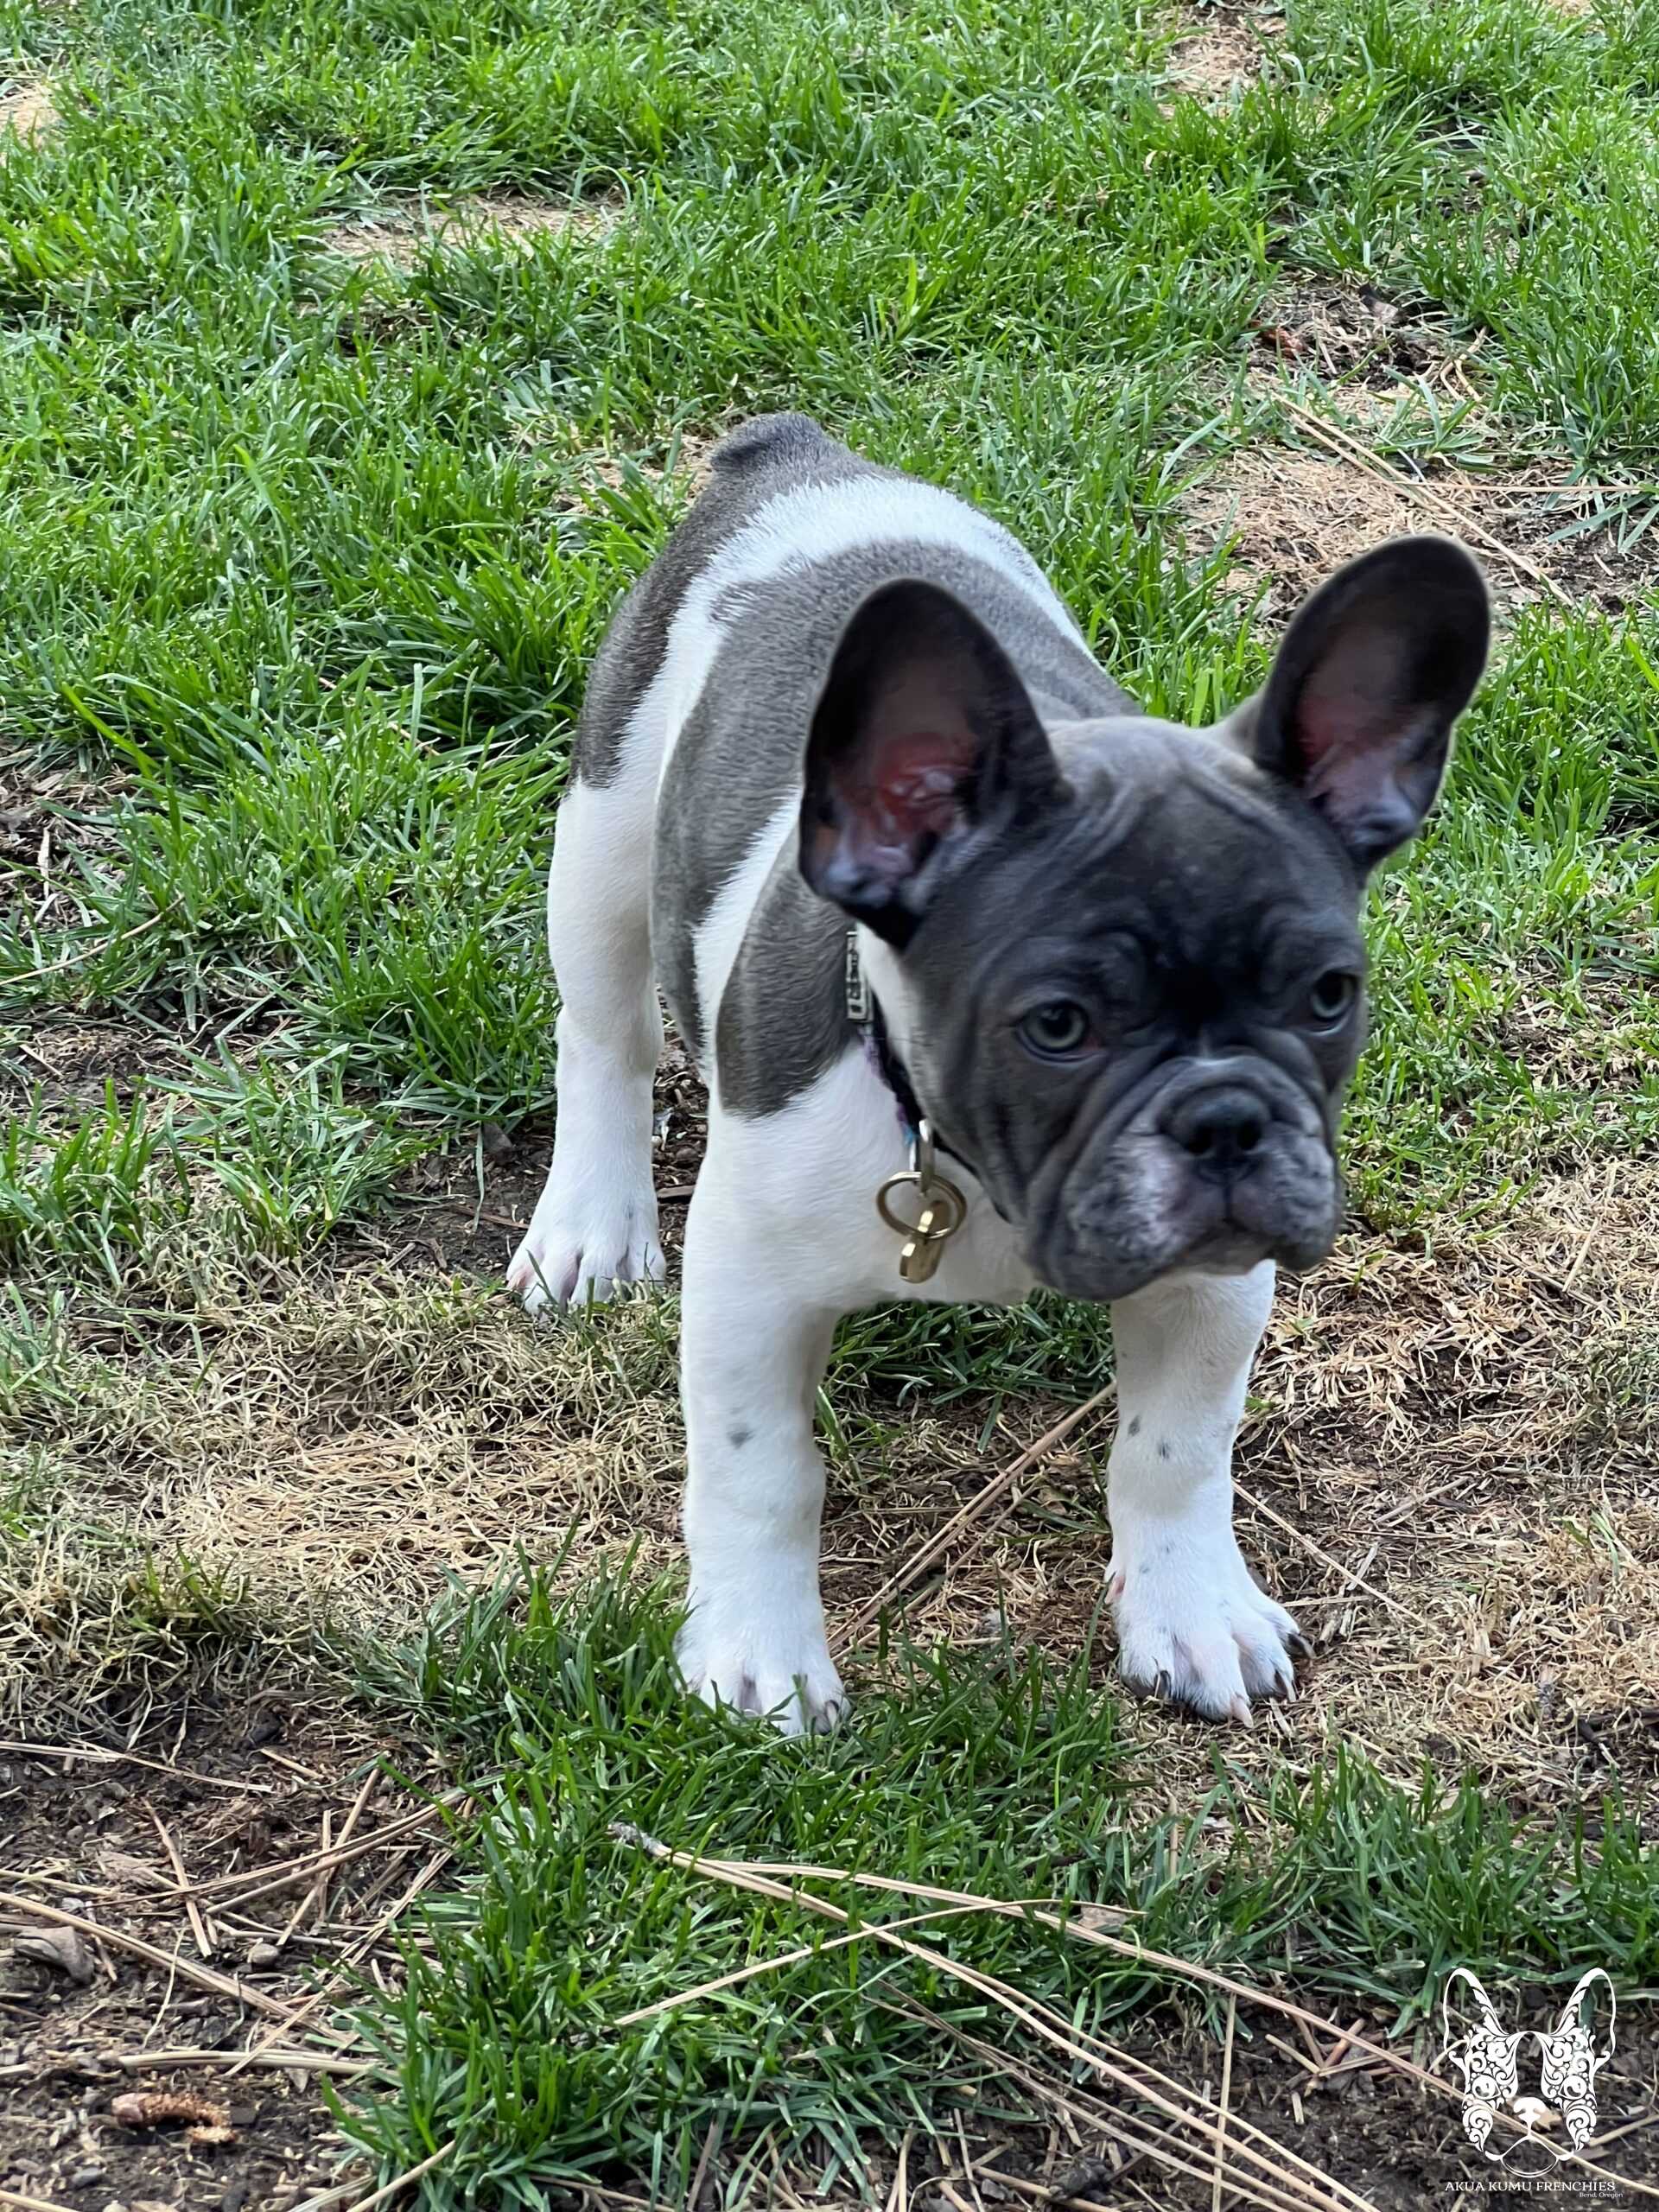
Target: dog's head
{"x": 1125, "y": 965}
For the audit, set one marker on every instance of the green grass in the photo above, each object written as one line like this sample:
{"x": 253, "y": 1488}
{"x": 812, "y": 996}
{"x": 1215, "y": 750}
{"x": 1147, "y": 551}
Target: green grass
{"x": 998, "y": 1778}
{"x": 302, "y": 561}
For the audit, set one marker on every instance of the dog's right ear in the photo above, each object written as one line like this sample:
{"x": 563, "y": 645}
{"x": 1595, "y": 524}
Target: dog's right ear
{"x": 924, "y": 739}
{"x": 1373, "y": 672}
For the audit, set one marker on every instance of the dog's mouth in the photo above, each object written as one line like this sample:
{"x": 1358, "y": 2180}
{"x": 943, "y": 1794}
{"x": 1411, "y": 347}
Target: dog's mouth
{"x": 1144, "y": 1206}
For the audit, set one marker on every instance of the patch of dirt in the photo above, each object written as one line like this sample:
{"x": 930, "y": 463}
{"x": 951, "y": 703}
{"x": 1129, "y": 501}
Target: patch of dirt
{"x": 70, "y": 1062}
{"x": 465, "y": 1231}
{"x": 397, "y": 234}
{"x": 1446, "y": 1473}
{"x": 49, "y": 818}
{"x": 28, "y": 113}
{"x": 1294, "y": 515}
{"x": 1223, "y": 53}
{"x": 685, "y": 458}
{"x": 232, "y": 1788}
{"x": 1349, "y": 332}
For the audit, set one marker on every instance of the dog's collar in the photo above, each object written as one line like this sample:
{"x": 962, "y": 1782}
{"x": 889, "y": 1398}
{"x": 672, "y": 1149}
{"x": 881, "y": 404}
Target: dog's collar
{"x": 942, "y": 1208}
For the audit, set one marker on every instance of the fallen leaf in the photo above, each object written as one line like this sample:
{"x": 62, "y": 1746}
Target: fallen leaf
{"x": 58, "y": 1947}
{"x": 1097, "y": 1916}
{"x": 168, "y": 2107}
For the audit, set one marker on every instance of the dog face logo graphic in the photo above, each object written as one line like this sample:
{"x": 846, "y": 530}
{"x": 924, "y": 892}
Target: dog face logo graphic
{"x": 1570, "y": 2059}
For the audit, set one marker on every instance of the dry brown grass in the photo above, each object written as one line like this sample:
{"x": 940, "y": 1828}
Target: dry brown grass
{"x": 1341, "y": 385}
{"x": 346, "y": 1443}
{"x": 1459, "y": 1440}
{"x": 396, "y": 234}
{"x": 1223, "y": 51}
{"x": 1215, "y": 65}
{"x": 317, "y": 1449}
{"x": 28, "y": 113}
{"x": 1294, "y": 515}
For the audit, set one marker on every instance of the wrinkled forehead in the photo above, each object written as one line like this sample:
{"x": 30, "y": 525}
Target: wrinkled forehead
{"x": 1184, "y": 820}
{"x": 1143, "y": 750}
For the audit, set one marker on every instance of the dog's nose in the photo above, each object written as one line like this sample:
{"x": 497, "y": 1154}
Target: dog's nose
{"x": 1220, "y": 1128}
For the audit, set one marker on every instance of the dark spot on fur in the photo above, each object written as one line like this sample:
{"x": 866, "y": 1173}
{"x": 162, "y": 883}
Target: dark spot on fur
{"x": 1163, "y": 1451}
{"x": 738, "y": 1436}
{"x": 1135, "y": 1426}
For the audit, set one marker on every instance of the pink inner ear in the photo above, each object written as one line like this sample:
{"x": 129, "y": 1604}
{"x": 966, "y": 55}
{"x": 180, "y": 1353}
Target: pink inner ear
{"x": 1350, "y": 704}
{"x": 910, "y": 790}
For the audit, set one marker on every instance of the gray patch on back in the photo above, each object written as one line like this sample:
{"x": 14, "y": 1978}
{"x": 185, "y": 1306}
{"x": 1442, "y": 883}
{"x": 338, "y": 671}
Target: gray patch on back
{"x": 738, "y": 758}
{"x": 760, "y": 457}
{"x": 783, "y": 1017}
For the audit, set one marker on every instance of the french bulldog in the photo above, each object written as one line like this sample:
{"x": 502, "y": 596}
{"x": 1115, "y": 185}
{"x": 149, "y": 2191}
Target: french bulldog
{"x": 941, "y": 916}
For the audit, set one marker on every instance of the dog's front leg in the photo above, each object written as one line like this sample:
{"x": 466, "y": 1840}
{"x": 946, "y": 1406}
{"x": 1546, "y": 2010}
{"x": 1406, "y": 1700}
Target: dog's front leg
{"x": 1193, "y": 1623}
{"x": 753, "y": 1352}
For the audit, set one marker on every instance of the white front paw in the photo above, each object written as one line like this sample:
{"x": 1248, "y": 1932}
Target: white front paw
{"x": 1194, "y": 1626}
{"x": 586, "y": 1246}
{"x": 758, "y": 1657}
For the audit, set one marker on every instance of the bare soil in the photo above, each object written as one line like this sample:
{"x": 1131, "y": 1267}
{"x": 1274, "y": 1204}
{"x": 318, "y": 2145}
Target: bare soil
{"x": 232, "y": 1787}
{"x": 397, "y": 233}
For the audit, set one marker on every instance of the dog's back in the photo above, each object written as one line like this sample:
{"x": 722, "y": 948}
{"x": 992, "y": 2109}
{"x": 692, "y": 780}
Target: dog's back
{"x": 707, "y": 683}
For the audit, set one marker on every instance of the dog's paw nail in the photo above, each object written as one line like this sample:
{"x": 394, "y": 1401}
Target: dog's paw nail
{"x": 1240, "y": 1709}
{"x": 1115, "y": 1583}
{"x": 1298, "y": 1646}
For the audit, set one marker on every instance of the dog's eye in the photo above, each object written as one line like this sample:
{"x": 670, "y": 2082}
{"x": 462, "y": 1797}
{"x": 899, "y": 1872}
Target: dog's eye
{"x": 1056, "y": 1030}
{"x": 1332, "y": 998}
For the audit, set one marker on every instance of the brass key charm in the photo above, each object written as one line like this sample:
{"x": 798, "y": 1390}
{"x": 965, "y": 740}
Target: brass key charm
{"x": 944, "y": 1211}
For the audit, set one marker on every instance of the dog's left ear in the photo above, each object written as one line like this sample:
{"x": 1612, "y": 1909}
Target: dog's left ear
{"x": 1374, "y": 670}
{"x": 924, "y": 740}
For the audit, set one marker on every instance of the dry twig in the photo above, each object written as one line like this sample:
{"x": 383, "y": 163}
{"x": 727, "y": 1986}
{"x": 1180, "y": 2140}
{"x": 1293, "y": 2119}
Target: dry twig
{"x": 222, "y": 1985}
{"x": 332, "y": 2196}
{"x": 1287, "y": 2183}
{"x": 198, "y": 1925}
{"x": 96, "y": 1755}
{"x": 1424, "y": 494}
{"x": 1351, "y": 1580}
{"x": 1226, "y": 2096}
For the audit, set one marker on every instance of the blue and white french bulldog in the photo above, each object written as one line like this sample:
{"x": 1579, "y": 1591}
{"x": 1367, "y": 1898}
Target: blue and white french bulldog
{"x": 1107, "y": 989}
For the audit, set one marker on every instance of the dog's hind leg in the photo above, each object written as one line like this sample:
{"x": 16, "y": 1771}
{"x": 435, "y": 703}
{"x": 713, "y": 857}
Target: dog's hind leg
{"x": 1193, "y": 1623}
{"x": 595, "y": 1226}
